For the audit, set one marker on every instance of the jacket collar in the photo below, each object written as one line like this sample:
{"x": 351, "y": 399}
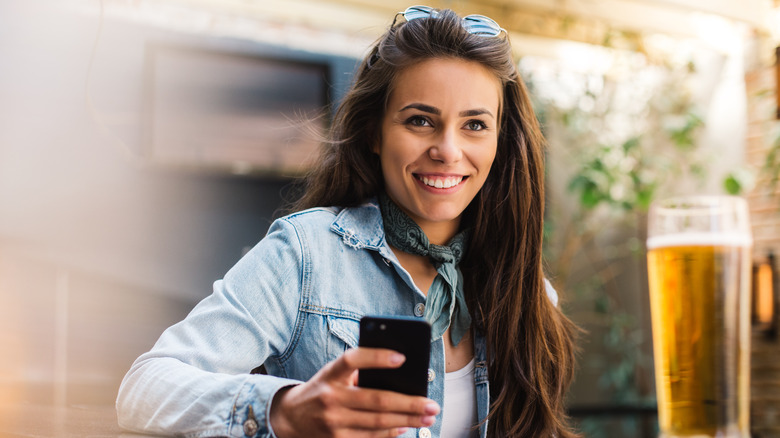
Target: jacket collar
{"x": 361, "y": 226}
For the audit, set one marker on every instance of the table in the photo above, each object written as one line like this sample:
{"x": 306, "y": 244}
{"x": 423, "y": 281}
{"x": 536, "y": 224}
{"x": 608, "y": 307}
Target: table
{"x": 76, "y": 421}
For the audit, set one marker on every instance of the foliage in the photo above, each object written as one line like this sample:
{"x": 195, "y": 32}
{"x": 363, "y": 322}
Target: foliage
{"x": 633, "y": 140}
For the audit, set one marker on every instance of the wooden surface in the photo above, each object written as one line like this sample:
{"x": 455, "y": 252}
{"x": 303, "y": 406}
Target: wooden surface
{"x": 77, "y": 421}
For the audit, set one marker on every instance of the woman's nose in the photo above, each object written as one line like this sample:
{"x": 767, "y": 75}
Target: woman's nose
{"x": 446, "y": 148}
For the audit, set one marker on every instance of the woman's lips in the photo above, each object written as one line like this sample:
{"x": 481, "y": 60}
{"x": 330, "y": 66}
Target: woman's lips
{"x": 439, "y": 182}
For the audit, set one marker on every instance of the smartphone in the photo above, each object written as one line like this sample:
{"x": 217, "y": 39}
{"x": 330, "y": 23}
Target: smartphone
{"x": 408, "y": 336}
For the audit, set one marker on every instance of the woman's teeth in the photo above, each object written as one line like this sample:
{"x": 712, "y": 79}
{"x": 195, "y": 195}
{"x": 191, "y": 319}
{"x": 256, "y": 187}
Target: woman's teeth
{"x": 441, "y": 183}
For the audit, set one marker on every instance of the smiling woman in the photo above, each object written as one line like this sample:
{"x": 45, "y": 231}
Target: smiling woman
{"x": 439, "y": 138}
{"x": 427, "y": 203}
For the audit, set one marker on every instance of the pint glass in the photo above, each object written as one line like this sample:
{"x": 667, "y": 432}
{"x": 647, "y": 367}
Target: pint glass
{"x": 699, "y": 251}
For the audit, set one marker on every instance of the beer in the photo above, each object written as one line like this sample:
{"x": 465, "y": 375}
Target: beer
{"x": 699, "y": 296}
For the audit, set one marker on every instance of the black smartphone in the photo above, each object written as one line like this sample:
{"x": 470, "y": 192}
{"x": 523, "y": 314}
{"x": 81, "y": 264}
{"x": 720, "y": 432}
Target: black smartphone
{"x": 408, "y": 336}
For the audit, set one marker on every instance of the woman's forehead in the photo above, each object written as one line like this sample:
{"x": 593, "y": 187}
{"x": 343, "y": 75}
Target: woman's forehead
{"x": 447, "y": 81}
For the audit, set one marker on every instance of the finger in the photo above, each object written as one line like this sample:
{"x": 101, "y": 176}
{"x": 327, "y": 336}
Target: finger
{"x": 361, "y": 357}
{"x": 378, "y": 400}
{"x": 386, "y": 421}
{"x": 364, "y": 433}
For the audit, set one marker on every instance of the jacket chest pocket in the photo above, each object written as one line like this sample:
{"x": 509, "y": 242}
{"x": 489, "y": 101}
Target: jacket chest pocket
{"x": 344, "y": 334}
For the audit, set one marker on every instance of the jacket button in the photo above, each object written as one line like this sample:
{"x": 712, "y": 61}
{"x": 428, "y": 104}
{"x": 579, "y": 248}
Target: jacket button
{"x": 419, "y": 309}
{"x": 424, "y": 433}
{"x": 250, "y": 427}
{"x": 431, "y": 374}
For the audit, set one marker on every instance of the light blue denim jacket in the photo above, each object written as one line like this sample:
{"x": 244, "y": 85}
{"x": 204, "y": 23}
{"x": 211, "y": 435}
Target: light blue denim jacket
{"x": 292, "y": 304}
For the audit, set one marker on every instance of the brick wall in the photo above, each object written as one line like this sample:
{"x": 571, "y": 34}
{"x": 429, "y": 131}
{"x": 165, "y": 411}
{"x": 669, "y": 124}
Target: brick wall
{"x": 765, "y": 216}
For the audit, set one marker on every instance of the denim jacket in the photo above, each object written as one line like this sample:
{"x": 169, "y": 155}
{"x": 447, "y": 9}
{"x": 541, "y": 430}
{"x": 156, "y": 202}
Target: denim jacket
{"x": 292, "y": 304}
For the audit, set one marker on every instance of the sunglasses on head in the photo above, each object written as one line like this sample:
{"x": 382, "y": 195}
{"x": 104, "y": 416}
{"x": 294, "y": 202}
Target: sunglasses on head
{"x": 474, "y": 24}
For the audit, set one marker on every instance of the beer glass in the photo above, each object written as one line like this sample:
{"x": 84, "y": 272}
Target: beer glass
{"x": 699, "y": 256}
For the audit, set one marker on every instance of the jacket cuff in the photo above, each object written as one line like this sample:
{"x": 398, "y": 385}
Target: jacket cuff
{"x": 251, "y": 414}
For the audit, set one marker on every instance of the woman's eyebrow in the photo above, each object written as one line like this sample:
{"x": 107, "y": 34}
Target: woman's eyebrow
{"x": 475, "y": 112}
{"x": 422, "y": 107}
{"x": 433, "y": 110}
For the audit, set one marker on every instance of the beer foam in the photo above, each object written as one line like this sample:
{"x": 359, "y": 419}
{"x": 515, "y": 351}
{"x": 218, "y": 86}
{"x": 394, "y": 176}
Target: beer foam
{"x": 700, "y": 239}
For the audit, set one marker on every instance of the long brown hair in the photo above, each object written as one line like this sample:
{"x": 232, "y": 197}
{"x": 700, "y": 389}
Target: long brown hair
{"x": 529, "y": 340}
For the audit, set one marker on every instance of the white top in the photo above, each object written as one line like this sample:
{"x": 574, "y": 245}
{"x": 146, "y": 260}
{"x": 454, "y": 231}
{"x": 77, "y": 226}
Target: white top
{"x": 459, "y": 413}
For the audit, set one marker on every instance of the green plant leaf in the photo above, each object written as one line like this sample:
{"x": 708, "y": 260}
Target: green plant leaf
{"x": 644, "y": 197}
{"x": 732, "y": 185}
{"x": 601, "y": 304}
{"x": 631, "y": 144}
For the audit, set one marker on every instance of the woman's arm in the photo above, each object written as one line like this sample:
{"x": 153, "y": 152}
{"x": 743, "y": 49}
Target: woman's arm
{"x": 195, "y": 381}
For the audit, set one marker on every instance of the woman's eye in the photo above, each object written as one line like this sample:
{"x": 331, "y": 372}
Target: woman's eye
{"x": 417, "y": 121}
{"x": 476, "y": 125}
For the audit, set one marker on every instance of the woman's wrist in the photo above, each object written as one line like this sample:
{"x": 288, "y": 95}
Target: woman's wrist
{"x": 277, "y": 422}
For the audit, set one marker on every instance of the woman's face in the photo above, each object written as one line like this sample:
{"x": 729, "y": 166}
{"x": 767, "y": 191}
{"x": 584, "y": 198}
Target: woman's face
{"x": 439, "y": 137}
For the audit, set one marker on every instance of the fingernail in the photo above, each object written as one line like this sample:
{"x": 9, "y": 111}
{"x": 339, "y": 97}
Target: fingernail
{"x": 431, "y": 408}
{"x": 427, "y": 421}
{"x": 397, "y": 358}
{"x": 401, "y": 431}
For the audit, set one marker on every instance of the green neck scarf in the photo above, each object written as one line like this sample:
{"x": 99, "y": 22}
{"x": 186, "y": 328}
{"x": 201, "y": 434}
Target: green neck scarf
{"x": 445, "y": 306}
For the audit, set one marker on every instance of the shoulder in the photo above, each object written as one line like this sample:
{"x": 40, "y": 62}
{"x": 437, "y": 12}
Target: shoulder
{"x": 311, "y": 217}
{"x": 552, "y": 294}
{"x": 359, "y": 225}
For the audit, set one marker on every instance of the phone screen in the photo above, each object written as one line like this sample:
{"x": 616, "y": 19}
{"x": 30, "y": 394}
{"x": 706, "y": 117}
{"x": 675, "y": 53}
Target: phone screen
{"x": 408, "y": 336}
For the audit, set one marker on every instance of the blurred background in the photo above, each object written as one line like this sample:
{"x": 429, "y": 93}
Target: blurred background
{"x": 145, "y": 145}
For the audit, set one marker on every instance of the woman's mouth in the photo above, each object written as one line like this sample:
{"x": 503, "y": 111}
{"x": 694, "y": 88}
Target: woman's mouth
{"x": 439, "y": 182}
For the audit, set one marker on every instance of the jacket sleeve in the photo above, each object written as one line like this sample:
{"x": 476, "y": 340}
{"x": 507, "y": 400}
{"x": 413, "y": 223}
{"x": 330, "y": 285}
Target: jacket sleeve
{"x": 195, "y": 381}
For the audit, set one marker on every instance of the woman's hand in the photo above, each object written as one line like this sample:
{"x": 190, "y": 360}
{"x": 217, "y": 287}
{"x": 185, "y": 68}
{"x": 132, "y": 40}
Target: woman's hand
{"x": 331, "y": 405}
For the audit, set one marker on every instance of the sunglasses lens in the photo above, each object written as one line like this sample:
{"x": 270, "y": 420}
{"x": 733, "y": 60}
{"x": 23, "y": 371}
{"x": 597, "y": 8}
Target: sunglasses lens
{"x": 481, "y": 25}
{"x": 415, "y": 12}
{"x": 474, "y": 24}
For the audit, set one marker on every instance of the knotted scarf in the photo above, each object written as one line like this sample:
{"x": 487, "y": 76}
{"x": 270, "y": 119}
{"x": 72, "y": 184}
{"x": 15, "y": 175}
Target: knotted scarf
{"x": 445, "y": 306}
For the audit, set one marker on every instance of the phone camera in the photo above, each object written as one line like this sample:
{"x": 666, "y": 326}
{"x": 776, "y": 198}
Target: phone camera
{"x": 382, "y": 326}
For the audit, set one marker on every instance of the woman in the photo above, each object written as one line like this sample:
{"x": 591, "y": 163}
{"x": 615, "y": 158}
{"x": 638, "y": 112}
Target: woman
{"x": 428, "y": 202}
